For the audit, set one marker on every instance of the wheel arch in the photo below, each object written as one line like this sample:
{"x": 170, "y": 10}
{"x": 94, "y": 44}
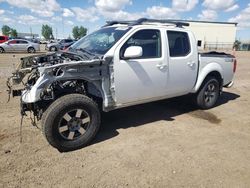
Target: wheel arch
{"x": 212, "y": 69}
{"x": 92, "y": 89}
{"x": 2, "y": 48}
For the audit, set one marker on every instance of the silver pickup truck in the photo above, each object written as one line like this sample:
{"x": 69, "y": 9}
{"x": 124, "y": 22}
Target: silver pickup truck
{"x": 122, "y": 64}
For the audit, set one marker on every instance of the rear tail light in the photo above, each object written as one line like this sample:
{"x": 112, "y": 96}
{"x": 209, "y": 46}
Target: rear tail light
{"x": 235, "y": 65}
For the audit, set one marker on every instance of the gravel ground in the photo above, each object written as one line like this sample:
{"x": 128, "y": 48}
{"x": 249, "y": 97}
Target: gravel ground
{"x": 162, "y": 144}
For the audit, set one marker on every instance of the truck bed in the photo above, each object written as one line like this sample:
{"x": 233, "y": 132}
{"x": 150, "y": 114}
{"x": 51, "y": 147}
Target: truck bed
{"x": 225, "y": 61}
{"x": 216, "y": 54}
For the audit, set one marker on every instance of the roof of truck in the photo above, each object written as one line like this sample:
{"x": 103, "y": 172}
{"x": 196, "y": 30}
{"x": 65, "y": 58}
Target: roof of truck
{"x": 199, "y": 21}
{"x": 166, "y": 22}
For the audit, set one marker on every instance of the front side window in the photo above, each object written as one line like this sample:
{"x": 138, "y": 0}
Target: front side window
{"x": 149, "y": 40}
{"x": 13, "y": 42}
{"x": 179, "y": 44}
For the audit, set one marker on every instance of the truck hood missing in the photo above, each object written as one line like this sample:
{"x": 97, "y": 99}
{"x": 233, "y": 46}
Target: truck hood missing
{"x": 41, "y": 74}
{"x": 44, "y": 61}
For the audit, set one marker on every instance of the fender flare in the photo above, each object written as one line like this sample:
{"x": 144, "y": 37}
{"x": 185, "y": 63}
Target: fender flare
{"x": 209, "y": 68}
{"x": 30, "y": 46}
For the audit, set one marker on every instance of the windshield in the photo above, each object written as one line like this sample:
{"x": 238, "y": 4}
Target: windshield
{"x": 100, "y": 41}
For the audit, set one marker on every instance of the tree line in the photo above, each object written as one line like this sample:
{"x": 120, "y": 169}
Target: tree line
{"x": 47, "y": 32}
{"x": 77, "y": 32}
{"x": 8, "y": 31}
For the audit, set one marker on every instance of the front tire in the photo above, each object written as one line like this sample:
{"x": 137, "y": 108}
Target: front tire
{"x": 71, "y": 122}
{"x": 208, "y": 94}
{"x": 1, "y": 50}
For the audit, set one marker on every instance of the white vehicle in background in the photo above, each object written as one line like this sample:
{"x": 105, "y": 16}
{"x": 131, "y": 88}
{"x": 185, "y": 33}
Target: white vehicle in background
{"x": 19, "y": 45}
{"x": 122, "y": 64}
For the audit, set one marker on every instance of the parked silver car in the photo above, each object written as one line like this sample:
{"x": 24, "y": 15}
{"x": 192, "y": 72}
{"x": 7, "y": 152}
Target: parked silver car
{"x": 19, "y": 45}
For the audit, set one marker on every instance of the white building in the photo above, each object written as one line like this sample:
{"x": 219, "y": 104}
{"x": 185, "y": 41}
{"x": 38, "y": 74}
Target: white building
{"x": 27, "y": 35}
{"x": 213, "y": 35}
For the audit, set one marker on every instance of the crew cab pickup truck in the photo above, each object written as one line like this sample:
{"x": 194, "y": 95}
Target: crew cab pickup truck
{"x": 121, "y": 64}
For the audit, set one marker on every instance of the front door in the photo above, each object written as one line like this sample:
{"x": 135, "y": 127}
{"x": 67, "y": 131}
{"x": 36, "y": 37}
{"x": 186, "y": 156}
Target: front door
{"x": 11, "y": 46}
{"x": 142, "y": 78}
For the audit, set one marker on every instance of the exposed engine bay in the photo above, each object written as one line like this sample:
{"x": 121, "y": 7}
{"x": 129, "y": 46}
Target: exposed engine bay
{"x": 41, "y": 79}
{"x": 28, "y": 64}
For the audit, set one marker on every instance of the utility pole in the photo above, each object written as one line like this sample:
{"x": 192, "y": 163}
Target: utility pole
{"x": 31, "y": 32}
{"x": 56, "y": 33}
{"x": 63, "y": 28}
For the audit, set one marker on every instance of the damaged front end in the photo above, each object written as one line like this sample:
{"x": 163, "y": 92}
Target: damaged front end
{"x": 41, "y": 79}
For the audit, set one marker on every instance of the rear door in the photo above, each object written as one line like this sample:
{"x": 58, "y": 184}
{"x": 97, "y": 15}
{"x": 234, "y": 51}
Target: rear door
{"x": 183, "y": 62}
{"x": 142, "y": 78}
{"x": 11, "y": 46}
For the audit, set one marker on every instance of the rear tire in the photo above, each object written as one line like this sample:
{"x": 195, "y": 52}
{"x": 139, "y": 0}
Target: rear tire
{"x": 71, "y": 122}
{"x": 208, "y": 94}
{"x": 1, "y": 50}
{"x": 31, "y": 50}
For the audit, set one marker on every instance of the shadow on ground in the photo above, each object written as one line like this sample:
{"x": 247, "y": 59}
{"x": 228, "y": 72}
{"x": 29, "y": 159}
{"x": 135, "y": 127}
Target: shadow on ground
{"x": 161, "y": 110}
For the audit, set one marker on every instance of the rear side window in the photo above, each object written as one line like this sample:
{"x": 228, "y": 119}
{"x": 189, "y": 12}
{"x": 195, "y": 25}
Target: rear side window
{"x": 2, "y": 38}
{"x": 149, "y": 40}
{"x": 179, "y": 44}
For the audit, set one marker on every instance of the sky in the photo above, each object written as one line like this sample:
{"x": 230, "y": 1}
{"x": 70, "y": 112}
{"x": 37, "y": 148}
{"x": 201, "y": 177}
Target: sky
{"x": 62, "y": 15}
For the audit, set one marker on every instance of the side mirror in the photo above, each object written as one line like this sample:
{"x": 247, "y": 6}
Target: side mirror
{"x": 133, "y": 52}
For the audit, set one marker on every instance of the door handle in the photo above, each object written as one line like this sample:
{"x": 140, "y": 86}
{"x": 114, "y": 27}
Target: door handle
{"x": 161, "y": 66}
{"x": 190, "y": 64}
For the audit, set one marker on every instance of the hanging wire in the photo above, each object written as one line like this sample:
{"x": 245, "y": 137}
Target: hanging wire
{"x": 21, "y": 129}
{"x": 33, "y": 120}
{"x": 9, "y": 88}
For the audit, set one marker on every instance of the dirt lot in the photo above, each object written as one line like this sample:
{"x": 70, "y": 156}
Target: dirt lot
{"x": 162, "y": 144}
